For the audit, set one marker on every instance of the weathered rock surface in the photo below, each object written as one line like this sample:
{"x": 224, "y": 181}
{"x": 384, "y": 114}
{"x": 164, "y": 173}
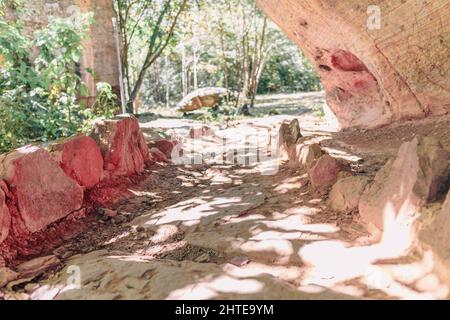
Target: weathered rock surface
{"x": 164, "y": 145}
{"x": 122, "y": 145}
{"x": 36, "y": 267}
{"x": 435, "y": 236}
{"x": 346, "y": 193}
{"x": 373, "y": 74}
{"x": 5, "y": 217}
{"x": 81, "y": 159}
{"x": 201, "y": 98}
{"x": 418, "y": 174}
{"x": 288, "y": 137}
{"x": 7, "y": 275}
{"x": 306, "y": 155}
{"x": 42, "y": 191}
{"x": 158, "y": 155}
{"x": 325, "y": 172}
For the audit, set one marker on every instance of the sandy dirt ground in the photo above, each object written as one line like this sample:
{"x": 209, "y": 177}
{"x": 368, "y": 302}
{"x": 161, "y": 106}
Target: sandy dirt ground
{"x": 255, "y": 230}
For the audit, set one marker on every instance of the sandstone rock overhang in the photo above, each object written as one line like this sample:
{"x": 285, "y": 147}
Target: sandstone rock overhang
{"x": 373, "y": 76}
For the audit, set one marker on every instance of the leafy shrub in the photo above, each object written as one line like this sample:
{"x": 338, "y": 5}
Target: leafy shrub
{"x": 40, "y": 82}
{"x": 105, "y": 106}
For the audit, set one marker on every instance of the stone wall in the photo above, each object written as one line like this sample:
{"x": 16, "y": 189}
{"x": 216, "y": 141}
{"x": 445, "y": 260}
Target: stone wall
{"x": 44, "y": 189}
{"x": 380, "y": 61}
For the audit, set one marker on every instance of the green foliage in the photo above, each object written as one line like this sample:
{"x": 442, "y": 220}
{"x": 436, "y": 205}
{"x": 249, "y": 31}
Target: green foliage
{"x": 39, "y": 81}
{"x": 210, "y": 35}
{"x": 288, "y": 71}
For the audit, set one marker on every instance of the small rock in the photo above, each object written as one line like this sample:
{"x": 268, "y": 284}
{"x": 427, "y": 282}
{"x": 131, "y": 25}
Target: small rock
{"x": 119, "y": 219}
{"x": 157, "y": 155}
{"x": 37, "y": 266}
{"x": 142, "y": 236}
{"x": 239, "y": 261}
{"x": 45, "y": 293}
{"x": 108, "y": 212}
{"x": 6, "y": 276}
{"x": 346, "y": 193}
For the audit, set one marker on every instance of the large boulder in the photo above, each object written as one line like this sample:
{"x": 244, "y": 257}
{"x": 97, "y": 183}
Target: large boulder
{"x": 81, "y": 159}
{"x": 42, "y": 191}
{"x": 418, "y": 174}
{"x": 379, "y": 61}
{"x": 326, "y": 171}
{"x": 346, "y": 193}
{"x": 202, "y": 98}
{"x": 122, "y": 145}
{"x": 5, "y": 217}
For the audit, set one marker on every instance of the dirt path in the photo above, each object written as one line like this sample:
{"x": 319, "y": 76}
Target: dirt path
{"x": 223, "y": 231}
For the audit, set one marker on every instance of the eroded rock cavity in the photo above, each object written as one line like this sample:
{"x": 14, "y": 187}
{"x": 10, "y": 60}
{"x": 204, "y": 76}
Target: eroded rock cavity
{"x": 373, "y": 76}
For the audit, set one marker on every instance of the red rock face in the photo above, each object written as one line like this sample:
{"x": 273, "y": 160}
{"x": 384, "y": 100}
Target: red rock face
{"x": 373, "y": 76}
{"x": 41, "y": 190}
{"x": 122, "y": 145}
{"x": 5, "y": 218}
{"x": 81, "y": 159}
{"x": 346, "y": 61}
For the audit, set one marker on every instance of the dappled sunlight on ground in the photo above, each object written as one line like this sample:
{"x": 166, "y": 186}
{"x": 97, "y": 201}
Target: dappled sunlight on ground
{"x": 229, "y": 230}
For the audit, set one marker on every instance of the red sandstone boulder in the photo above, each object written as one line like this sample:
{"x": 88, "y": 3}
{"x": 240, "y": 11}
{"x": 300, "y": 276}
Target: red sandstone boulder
{"x": 41, "y": 190}
{"x": 326, "y": 171}
{"x": 373, "y": 71}
{"x": 5, "y": 218}
{"x": 158, "y": 155}
{"x": 288, "y": 138}
{"x": 122, "y": 145}
{"x": 434, "y": 236}
{"x": 418, "y": 174}
{"x": 346, "y": 193}
{"x": 81, "y": 159}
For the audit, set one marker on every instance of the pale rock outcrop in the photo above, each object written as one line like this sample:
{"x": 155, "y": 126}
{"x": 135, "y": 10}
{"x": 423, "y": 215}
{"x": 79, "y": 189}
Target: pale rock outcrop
{"x": 122, "y": 145}
{"x": 418, "y": 174}
{"x": 81, "y": 159}
{"x": 40, "y": 188}
{"x": 378, "y": 64}
{"x": 346, "y": 193}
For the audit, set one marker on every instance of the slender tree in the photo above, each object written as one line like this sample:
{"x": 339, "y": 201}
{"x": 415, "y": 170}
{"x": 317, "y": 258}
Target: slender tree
{"x": 153, "y": 23}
